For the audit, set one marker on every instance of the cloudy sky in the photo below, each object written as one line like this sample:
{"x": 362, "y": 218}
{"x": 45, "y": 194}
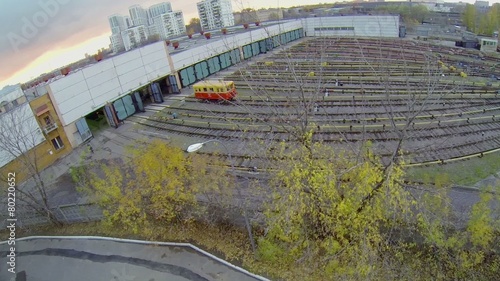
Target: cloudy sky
{"x": 37, "y": 36}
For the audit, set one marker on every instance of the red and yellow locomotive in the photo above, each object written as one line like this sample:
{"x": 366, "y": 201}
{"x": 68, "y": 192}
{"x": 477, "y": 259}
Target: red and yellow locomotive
{"x": 215, "y": 90}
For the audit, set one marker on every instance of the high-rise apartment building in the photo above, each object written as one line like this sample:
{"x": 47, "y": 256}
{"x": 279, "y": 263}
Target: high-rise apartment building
{"x": 159, "y": 19}
{"x": 482, "y": 6}
{"x": 159, "y": 9}
{"x": 134, "y": 36}
{"x": 118, "y": 23}
{"x": 169, "y": 24}
{"x": 180, "y": 26}
{"x": 138, "y": 15}
{"x": 215, "y": 14}
{"x": 128, "y": 21}
{"x": 116, "y": 42}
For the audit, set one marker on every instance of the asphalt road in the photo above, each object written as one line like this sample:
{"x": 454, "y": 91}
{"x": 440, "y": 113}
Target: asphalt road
{"x": 102, "y": 259}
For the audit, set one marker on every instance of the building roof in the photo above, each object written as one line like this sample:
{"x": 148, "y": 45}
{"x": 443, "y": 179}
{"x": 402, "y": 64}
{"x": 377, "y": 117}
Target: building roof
{"x": 186, "y": 43}
{"x": 10, "y": 93}
{"x": 7, "y": 90}
{"x": 489, "y": 39}
{"x": 212, "y": 83}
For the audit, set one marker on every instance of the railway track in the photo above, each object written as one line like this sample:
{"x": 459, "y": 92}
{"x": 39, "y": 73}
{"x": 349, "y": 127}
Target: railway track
{"x": 460, "y": 135}
{"x": 388, "y": 88}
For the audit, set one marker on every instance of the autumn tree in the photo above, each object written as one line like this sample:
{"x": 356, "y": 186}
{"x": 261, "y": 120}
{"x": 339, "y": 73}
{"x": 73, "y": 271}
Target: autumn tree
{"x": 469, "y": 17}
{"x": 158, "y": 184}
{"x": 419, "y": 13}
{"x": 330, "y": 203}
{"x": 274, "y": 16}
{"x": 337, "y": 211}
{"x": 410, "y": 15}
{"x": 336, "y": 215}
{"x": 490, "y": 22}
{"x": 457, "y": 248}
{"x": 328, "y": 210}
{"x": 247, "y": 15}
{"x": 194, "y": 26}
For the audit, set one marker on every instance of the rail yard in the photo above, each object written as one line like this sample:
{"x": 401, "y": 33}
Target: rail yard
{"x": 443, "y": 102}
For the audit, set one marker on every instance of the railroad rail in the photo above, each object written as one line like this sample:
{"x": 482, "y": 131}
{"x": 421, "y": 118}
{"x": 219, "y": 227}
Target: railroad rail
{"x": 353, "y": 90}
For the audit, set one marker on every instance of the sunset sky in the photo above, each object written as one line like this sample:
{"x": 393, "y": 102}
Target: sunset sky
{"x": 37, "y": 36}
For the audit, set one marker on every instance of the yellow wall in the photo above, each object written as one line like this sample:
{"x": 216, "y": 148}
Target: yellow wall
{"x": 45, "y": 154}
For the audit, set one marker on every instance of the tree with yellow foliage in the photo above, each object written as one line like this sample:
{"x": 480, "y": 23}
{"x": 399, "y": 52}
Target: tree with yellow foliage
{"x": 490, "y": 22}
{"x": 469, "y": 17}
{"x": 328, "y": 210}
{"x": 338, "y": 215}
{"x": 157, "y": 185}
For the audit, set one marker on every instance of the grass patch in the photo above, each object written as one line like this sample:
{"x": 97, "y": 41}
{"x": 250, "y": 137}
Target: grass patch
{"x": 226, "y": 239}
{"x": 97, "y": 125}
{"x": 467, "y": 172}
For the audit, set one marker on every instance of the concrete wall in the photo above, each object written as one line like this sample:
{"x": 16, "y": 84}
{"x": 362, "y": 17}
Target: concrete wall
{"x": 88, "y": 89}
{"x": 73, "y": 136}
{"x": 363, "y": 26}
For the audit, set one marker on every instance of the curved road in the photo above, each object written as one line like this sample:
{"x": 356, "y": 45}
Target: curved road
{"x": 105, "y": 259}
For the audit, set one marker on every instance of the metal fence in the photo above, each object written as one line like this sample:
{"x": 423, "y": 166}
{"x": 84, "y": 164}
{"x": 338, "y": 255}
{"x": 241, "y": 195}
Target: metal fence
{"x": 71, "y": 213}
{"x": 75, "y": 213}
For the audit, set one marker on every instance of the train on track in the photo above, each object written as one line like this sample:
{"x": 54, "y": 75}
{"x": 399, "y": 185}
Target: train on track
{"x": 215, "y": 90}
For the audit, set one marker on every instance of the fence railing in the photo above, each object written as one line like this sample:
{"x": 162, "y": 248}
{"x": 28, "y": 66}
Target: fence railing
{"x": 75, "y": 213}
{"x": 50, "y": 127}
{"x": 71, "y": 213}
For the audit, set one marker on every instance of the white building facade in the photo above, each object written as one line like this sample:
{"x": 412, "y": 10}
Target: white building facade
{"x": 118, "y": 24}
{"x": 180, "y": 26}
{"x": 138, "y": 15}
{"x": 116, "y": 42}
{"x": 351, "y": 26}
{"x": 134, "y": 36}
{"x": 18, "y": 125}
{"x": 215, "y": 14}
{"x": 159, "y": 9}
{"x": 169, "y": 24}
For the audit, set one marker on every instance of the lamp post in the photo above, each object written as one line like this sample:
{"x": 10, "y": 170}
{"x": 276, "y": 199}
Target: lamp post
{"x": 197, "y": 146}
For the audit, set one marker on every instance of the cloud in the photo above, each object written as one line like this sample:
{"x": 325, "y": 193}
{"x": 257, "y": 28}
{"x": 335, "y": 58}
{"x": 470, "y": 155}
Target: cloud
{"x": 28, "y": 28}
{"x": 31, "y": 28}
